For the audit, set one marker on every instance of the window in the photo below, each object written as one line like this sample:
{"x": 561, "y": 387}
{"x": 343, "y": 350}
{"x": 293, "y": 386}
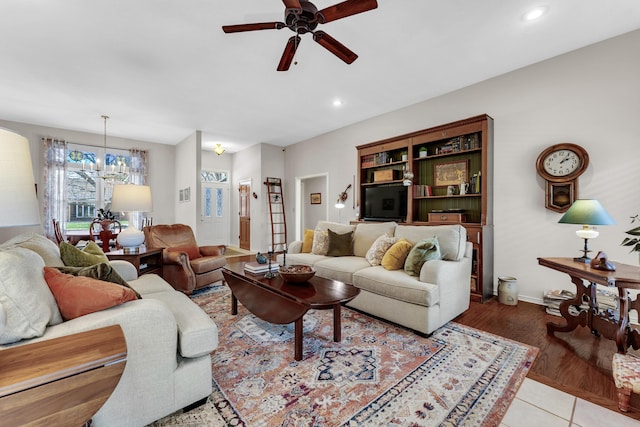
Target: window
{"x": 211, "y": 176}
{"x": 89, "y": 182}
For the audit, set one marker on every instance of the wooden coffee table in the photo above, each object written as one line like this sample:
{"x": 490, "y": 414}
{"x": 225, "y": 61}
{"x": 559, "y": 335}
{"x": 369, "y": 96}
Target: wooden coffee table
{"x": 277, "y": 301}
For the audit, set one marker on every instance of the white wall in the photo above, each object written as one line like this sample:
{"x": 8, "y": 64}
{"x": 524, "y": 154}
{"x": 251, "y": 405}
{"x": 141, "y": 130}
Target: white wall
{"x": 187, "y": 175}
{"x": 314, "y": 213}
{"x": 589, "y": 97}
{"x": 161, "y": 168}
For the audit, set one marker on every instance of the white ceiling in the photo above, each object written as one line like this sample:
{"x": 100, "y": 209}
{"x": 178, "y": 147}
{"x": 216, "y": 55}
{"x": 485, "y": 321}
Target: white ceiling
{"x": 162, "y": 69}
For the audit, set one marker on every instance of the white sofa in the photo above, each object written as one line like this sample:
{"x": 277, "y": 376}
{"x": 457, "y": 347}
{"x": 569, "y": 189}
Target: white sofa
{"x": 169, "y": 338}
{"x": 423, "y": 303}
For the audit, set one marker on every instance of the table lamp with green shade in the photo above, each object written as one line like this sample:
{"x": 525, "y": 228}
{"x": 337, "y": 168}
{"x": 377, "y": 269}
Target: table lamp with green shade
{"x": 588, "y": 212}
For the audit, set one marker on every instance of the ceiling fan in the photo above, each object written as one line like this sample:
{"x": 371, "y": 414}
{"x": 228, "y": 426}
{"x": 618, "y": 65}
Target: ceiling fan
{"x": 301, "y": 17}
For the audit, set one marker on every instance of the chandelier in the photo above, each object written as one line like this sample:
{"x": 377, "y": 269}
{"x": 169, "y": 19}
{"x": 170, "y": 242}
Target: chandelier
{"x": 218, "y": 149}
{"x": 116, "y": 173}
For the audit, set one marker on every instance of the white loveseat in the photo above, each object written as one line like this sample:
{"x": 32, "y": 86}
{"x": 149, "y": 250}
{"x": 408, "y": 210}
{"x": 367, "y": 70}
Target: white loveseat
{"x": 424, "y": 303}
{"x": 169, "y": 338}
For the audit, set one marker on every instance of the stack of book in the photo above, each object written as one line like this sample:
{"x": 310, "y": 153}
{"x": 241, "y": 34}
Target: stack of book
{"x": 606, "y": 299}
{"x": 255, "y": 268}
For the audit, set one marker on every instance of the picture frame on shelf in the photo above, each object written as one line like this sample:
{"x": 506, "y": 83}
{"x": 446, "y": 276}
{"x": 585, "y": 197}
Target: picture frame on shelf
{"x": 450, "y": 173}
{"x": 316, "y": 198}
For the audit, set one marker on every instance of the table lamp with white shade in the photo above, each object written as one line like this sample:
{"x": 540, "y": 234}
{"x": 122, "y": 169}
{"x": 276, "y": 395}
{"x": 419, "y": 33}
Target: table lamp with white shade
{"x": 588, "y": 212}
{"x": 131, "y": 198}
{"x": 17, "y": 186}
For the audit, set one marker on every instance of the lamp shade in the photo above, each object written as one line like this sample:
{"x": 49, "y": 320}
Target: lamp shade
{"x": 17, "y": 186}
{"x": 587, "y": 212}
{"x": 131, "y": 198}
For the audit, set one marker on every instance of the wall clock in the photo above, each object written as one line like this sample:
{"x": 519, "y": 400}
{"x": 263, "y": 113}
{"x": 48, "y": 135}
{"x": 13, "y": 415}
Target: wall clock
{"x": 560, "y": 165}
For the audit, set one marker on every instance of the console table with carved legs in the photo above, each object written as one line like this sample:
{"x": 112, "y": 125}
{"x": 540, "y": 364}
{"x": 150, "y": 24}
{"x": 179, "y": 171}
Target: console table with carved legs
{"x": 613, "y": 325}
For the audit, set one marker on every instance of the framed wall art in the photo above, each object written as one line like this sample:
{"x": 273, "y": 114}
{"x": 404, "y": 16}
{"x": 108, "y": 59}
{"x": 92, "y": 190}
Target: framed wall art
{"x": 316, "y": 198}
{"x": 450, "y": 173}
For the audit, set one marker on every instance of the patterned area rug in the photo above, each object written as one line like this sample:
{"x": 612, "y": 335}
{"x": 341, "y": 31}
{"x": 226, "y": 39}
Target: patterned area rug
{"x": 379, "y": 375}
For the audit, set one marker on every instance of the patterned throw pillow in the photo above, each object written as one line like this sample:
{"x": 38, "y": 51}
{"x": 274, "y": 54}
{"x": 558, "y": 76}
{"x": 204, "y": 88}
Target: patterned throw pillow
{"x": 74, "y": 257}
{"x": 396, "y": 255}
{"x": 307, "y": 241}
{"x": 320, "y": 243}
{"x": 340, "y": 244}
{"x": 379, "y": 248}
{"x": 422, "y": 252}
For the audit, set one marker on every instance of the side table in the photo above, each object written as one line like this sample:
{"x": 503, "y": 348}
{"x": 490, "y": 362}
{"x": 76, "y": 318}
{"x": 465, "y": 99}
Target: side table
{"x": 62, "y": 381}
{"x": 146, "y": 261}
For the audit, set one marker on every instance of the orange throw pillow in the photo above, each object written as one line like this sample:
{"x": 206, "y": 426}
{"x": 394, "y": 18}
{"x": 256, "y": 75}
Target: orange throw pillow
{"x": 192, "y": 251}
{"x": 78, "y": 295}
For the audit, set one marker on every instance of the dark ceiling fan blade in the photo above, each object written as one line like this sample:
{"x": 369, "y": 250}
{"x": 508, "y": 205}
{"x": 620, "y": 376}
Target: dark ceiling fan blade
{"x": 253, "y": 27}
{"x": 293, "y": 5}
{"x": 346, "y": 8}
{"x": 289, "y": 53}
{"x": 334, "y": 46}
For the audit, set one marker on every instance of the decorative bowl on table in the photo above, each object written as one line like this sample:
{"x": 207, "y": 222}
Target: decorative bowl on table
{"x": 296, "y": 273}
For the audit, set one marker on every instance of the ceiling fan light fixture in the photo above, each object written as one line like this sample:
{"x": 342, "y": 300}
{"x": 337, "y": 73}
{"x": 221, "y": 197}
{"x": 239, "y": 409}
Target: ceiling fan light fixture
{"x": 218, "y": 149}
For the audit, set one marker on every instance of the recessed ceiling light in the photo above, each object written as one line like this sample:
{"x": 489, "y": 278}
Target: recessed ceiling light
{"x": 536, "y": 13}
{"x": 337, "y": 102}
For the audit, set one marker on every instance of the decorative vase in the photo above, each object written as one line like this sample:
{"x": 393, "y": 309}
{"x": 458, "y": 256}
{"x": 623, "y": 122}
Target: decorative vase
{"x": 105, "y": 224}
{"x": 260, "y": 258}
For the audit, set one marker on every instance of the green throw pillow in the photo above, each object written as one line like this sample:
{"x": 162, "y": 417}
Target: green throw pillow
{"x": 103, "y": 271}
{"x": 423, "y": 251}
{"x": 340, "y": 244}
{"x": 74, "y": 257}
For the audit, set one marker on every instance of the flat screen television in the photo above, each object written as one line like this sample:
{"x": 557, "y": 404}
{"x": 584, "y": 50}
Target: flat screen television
{"x": 385, "y": 203}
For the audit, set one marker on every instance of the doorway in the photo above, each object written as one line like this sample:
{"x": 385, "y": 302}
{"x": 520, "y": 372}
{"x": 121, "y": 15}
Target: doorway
{"x": 215, "y": 214}
{"x": 308, "y": 214}
{"x": 244, "y": 191}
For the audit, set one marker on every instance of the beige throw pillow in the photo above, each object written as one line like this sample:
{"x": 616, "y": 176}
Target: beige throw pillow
{"x": 379, "y": 247}
{"x": 25, "y": 296}
{"x": 320, "y": 243}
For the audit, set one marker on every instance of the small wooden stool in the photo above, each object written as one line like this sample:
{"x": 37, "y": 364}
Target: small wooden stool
{"x": 626, "y": 374}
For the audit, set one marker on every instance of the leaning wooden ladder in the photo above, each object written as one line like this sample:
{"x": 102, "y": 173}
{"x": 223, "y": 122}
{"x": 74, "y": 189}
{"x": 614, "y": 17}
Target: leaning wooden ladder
{"x": 276, "y": 213}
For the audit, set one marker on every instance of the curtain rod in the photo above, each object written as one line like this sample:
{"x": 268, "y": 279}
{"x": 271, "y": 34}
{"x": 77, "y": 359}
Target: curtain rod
{"x": 97, "y": 146}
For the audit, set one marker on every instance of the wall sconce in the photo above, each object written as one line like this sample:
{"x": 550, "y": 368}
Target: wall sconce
{"x": 218, "y": 150}
{"x": 342, "y": 198}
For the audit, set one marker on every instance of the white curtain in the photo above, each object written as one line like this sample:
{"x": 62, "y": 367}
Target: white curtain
{"x": 138, "y": 175}
{"x": 54, "y": 191}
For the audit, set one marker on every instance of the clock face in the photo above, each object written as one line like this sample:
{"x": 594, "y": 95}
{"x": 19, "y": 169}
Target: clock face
{"x": 561, "y": 163}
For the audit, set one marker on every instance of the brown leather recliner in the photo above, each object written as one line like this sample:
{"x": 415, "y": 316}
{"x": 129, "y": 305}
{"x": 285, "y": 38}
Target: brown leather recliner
{"x": 186, "y": 266}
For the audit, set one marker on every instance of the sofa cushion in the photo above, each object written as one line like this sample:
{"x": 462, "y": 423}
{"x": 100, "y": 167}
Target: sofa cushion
{"x": 197, "y": 333}
{"x": 421, "y": 252}
{"x": 39, "y": 244}
{"x": 334, "y": 226}
{"x": 379, "y": 248}
{"x": 340, "y": 244}
{"x": 397, "y": 254}
{"x": 320, "y": 242}
{"x": 192, "y": 251}
{"x": 304, "y": 259}
{"x": 367, "y": 233}
{"x": 74, "y": 257}
{"x": 452, "y": 238}
{"x": 398, "y": 285}
{"x": 340, "y": 268}
{"x": 206, "y": 264}
{"x": 25, "y": 296}
{"x": 150, "y": 283}
{"x": 103, "y": 271}
{"x": 307, "y": 241}
{"x": 78, "y": 295}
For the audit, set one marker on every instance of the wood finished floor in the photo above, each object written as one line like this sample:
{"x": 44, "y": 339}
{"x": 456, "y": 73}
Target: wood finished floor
{"x": 575, "y": 362}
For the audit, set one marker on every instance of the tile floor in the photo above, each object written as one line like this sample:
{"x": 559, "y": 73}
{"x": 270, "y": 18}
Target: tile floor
{"x": 537, "y": 404}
